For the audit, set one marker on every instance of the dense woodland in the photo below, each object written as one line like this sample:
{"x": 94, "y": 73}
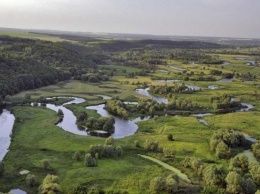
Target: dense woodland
{"x": 27, "y": 64}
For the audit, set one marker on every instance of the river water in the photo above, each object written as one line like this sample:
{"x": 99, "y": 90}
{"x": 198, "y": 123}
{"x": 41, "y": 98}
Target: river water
{"x": 145, "y": 92}
{"x": 123, "y": 127}
{"x": 68, "y": 122}
{"x": 6, "y": 125}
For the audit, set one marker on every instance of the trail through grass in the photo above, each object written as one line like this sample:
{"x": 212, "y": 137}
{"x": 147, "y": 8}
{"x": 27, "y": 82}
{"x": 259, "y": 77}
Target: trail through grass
{"x": 167, "y": 166}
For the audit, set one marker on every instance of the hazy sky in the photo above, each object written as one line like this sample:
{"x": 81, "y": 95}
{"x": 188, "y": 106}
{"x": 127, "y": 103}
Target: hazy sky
{"x": 229, "y": 18}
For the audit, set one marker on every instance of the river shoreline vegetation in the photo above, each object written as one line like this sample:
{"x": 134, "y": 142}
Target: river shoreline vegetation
{"x": 199, "y": 100}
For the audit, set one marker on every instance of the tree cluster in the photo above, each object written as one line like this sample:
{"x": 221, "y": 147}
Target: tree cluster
{"x": 224, "y": 103}
{"x": 222, "y": 141}
{"x": 167, "y": 90}
{"x": 117, "y": 107}
{"x": 169, "y": 184}
{"x": 107, "y": 150}
{"x": 102, "y": 123}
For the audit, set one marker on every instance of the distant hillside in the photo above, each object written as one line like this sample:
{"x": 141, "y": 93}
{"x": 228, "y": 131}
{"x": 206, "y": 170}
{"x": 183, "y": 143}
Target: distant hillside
{"x": 120, "y": 45}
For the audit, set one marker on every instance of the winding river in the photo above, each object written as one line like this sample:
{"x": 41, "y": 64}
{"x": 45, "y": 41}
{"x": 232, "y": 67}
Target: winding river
{"x": 68, "y": 122}
{"x": 123, "y": 128}
{"x": 145, "y": 92}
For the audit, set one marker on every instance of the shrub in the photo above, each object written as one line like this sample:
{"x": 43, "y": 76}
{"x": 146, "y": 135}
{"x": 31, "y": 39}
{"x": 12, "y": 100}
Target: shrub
{"x": 119, "y": 151}
{"x": 222, "y": 150}
{"x": 31, "y": 180}
{"x": 151, "y": 145}
{"x": 60, "y": 113}
{"x": 172, "y": 183}
{"x": 157, "y": 185}
{"x": 170, "y": 137}
{"x": 108, "y": 151}
{"x": 90, "y": 161}
{"x": 45, "y": 164}
{"x": 109, "y": 141}
{"x": 254, "y": 170}
{"x": 239, "y": 161}
{"x": 168, "y": 152}
{"x": 50, "y": 185}
{"x": 136, "y": 144}
{"x": 77, "y": 155}
{"x": 256, "y": 149}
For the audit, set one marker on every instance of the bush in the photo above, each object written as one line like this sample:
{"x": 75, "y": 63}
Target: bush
{"x": 50, "y": 185}
{"x": 169, "y": 153}
{"x": 170, "y": 137}
{"x": 157, "y": 185}
{"x": 172, "y": 183}
{"x": 256, "y": 149}
{"x": 109, "y": 141}
{"x": 90, "y": 161}
{"x": 119, "y": 151}
{"x": 77, "y": 155}
{"x": 239, "y": 161}
{"x": 254, "y": 170}
{"x": 214, "y": 175}
{"x": 31, "y": 180}
{"x": 151, "y": 145}
{"x": 60, "y": 113}
{"x": 136, "y": 144}
{"x": 222, "y": 150}
{"x": 45, "y": 164}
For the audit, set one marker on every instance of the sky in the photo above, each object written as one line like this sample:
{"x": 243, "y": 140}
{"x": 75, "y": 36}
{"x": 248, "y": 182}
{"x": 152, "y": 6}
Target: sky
{"x": 218, "y": 18}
